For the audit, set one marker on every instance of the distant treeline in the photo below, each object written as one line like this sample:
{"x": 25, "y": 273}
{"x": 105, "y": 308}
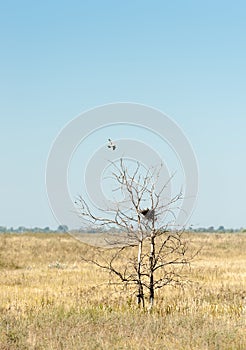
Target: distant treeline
{"x": 23, "y": 229}
{"x": 64, "y": 228}
{"x": 212, "y": 229}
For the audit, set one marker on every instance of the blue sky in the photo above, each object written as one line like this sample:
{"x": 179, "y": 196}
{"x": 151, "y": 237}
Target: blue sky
{"x": 60, "y": 58}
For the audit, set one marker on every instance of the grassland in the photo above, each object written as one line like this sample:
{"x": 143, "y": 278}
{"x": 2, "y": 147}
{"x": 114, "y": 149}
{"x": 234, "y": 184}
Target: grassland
{"x": 50, "y": 299}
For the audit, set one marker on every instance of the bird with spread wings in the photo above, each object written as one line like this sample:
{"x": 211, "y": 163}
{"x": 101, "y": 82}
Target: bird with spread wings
{"x": 111, "y": 144}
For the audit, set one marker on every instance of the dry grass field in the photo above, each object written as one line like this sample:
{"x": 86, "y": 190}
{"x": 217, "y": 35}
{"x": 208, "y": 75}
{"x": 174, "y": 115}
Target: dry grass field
{"x": 50, "y": 299}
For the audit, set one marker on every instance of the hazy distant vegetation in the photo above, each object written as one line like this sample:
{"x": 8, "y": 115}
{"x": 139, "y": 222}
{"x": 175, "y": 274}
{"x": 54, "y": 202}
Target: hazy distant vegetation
{"x": 65, "y": 228}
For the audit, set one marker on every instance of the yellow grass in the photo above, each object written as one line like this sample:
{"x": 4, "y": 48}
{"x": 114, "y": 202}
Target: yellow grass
{"x": 50, "y": 299}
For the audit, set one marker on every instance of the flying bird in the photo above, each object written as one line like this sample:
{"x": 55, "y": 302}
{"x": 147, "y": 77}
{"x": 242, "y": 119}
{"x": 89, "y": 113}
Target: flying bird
{"x": 111, "y": 144}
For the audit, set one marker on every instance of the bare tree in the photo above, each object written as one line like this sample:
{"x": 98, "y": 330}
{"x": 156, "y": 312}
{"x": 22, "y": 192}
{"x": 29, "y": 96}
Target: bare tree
{"x": 149, "y": 252}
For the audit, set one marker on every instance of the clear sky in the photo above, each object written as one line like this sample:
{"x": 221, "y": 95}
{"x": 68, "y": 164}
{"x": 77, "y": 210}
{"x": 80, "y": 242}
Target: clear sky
{"x": 60, "y": 58}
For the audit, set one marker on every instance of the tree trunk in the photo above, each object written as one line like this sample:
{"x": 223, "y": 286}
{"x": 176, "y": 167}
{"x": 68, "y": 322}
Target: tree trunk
{"x": 140, "y": 296}
{"x": 151, "y": 271}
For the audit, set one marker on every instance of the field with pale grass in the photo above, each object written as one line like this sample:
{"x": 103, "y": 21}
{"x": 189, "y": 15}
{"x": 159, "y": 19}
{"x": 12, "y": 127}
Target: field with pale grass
{"x": 51, "y": 299}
